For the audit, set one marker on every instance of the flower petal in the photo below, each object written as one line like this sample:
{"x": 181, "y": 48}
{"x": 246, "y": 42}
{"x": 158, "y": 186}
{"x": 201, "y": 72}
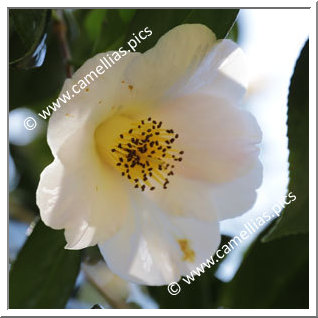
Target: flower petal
{"x": 222, "y": 73}
{"x": 89, "y": 201}
{"x": 186, "y": 198}
{"x": 219, "y": 140}
{"x": 206, "y": 202}
{"x": 147, "y": 249}
{"x": 203, "y": 238}
{"x": 80, "y": 116}
{"x": 175, "y": 56}
{"x": 238, "y": 196}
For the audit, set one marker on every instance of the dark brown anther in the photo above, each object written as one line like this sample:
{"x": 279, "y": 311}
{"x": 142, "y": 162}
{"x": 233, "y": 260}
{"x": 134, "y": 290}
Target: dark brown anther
{"x": 142, "y": 159}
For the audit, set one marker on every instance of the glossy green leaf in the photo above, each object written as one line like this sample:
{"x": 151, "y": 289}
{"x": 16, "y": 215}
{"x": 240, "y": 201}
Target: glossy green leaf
{"x": 38, "y": 87}
{"x": 161, "y": 21}
{"x": 28, "y": 37}
{"x": 295, "y": 218}
{"x": 44, "y": 273}
{"x": 96, "y": 31}
{"x": 273, "y": 275}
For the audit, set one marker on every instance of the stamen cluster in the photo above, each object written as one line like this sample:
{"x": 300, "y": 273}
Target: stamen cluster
{"x": 145, "y": 154}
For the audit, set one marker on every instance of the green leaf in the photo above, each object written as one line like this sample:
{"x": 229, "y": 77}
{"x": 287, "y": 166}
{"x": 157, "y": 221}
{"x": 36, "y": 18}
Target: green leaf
{"x": 44, "y": 273}
{"x": 93, "y": 23}
{"x": 127, "y": 14}
{"x": 28, "y": 37}
{"x": 273, "y": 275}
{"x": 295, "y": 218}
{"x": 96, "y": 31}
{"x": 114, "y": 30}
{"x": 220, "y": 21}
{"x": 38, "y": 87}
{"x": 234, "y": 33}
{"x": 161, "y": 21}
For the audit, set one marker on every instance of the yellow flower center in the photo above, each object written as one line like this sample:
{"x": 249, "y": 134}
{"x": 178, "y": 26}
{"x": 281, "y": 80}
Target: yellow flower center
{"x": 144, "y": 153}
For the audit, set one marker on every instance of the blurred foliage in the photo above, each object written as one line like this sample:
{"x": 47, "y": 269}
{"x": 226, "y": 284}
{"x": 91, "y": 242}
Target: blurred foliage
{"x": 36, "y": 88}
{"x": 295, "y": 218}
{"x": 44, "y": 273}
{"x": 27, "y": 31}
{"x": 273, "y": 274}
{"x": 95, "y": 31}
{"x": 36, "y": 155}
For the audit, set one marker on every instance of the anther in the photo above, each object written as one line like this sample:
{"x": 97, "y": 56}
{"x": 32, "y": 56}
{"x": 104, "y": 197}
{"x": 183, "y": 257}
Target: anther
{"x": 146, "y": 160}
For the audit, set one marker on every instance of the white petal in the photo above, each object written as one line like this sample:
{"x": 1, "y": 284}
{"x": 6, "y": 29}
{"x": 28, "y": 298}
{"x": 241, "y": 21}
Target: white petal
{"x": 48, "y": 196}
{"x": 140, "y": 252}
{"x": 219, "y": 140}
{"x": 186, "y": 198}
{"x": 79, "y": 117}
{"x": 209, "y": 202}
{"x": 89, "y": 201}
{"x": 175, "y": 56}
{"x": 146, "y": 250}
{"x": 222, "y": 73}
{"x": 204, "y": 238}
{"x": 234, "y": 198}
{"x": 79, "y": 234}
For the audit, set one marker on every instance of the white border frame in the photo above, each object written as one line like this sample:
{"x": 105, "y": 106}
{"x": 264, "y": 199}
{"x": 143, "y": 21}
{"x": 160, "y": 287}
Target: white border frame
{"x": 312, "y": 161}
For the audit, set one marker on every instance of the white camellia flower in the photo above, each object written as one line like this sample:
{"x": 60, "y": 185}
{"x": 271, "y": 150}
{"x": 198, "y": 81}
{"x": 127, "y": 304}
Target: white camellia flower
{"x": 153, "y": 155}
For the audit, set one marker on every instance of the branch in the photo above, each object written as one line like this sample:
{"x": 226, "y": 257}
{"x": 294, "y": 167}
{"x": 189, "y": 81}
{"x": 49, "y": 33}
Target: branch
{"x": 60, "y": 29}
